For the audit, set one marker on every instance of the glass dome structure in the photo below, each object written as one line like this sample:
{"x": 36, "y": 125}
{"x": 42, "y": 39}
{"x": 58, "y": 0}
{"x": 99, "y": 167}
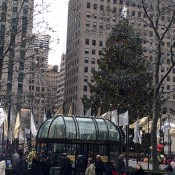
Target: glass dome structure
{"x": 71, "y": 129}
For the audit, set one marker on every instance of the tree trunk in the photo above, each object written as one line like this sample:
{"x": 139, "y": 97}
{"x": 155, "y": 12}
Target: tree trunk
{"x": 154, "y": 135}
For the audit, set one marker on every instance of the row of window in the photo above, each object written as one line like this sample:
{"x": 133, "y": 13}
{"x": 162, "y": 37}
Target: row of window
{"x": 93, "y": 51}
{"x": 93, "y": 42}
{"x": 101, "y": 7}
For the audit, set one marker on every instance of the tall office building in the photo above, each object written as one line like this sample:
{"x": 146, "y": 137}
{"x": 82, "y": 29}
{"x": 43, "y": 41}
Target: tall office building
{"x": 61, "y": 83}
{"x": 16, "y": 23}
{"x": 42, "y": 42}
{"x": 89, "y": 24}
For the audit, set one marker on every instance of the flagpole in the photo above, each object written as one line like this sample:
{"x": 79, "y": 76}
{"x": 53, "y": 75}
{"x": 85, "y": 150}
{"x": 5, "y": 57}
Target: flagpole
{"x": 127, "y": 147}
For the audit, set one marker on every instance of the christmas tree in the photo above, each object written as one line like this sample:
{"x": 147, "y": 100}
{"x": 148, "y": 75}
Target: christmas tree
{"x": 123, "y": 80}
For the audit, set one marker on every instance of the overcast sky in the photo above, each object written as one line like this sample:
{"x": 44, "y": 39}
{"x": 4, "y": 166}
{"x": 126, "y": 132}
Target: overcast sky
{"x": 57, "y": 20}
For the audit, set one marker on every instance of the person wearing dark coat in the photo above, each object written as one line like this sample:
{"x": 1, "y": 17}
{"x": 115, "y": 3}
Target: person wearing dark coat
{"x": 35, "y": 167}
{"x": 111, "y": 169}
{"x": 121, "y": 166}
{"x": 46, "y": 165}
{"x": 139, "y": 170}
{"x": 66, "y": 168}
{"x": 22, "y": 165}
{"x": 99, "y": 166}
{"x": 80, "y": 166}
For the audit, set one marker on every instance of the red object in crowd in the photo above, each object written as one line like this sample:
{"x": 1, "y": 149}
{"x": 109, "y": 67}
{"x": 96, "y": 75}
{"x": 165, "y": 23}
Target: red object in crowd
{"x": 160, "y": 147}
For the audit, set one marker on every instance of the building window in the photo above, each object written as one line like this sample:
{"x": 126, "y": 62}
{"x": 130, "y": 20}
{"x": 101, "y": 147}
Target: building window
{"x": 168, "y": 61}
{"x": 174, "y": 70}
{"x": 88, "y": 5}
{"x": 93, "y": 51}
{"x": 85, "y": 88}
{"x": 114, "y": 10}
{"x": 95, "y": 24}
{"x": 114, "y": 1}
{"x": 101, "y": 43}
{"x": 87, "y": 23}
{"x": 86, "y": 59}
{"x": 93, "y": 61}
{"x": 101, "y": 7}
{"x": 168, "y": 87}
{"x": 85, "y": 69}
{"x": 92, "y": 69}
{"x": 85, "y": 78}
{"x": 173, "y": 79}
{"x": 162, "y": 69}
{"x": 95, "y": 6}
{"x": 93, "y": 42}
{"x": 168, "y": 78}
{"x": 86, "y": 51}
{"x": 87, "y": 41}
{"x": 88, "y": 15}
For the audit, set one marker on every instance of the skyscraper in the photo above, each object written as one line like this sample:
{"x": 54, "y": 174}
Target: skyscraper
{"x": 89, "y": 24}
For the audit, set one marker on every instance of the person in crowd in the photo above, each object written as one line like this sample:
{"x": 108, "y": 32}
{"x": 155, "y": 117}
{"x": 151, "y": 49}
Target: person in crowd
{"x": 80, "y": 165}
{"x": 35, "y": 167}
{"x": 99, "y": 166}
{"x": 139, "y": 170}
{"x": 46, "y": 165}
{"x": 90, "y": 170}
{"x": 169, "y": 170}
{"x": 111, "y": 170}
{"x": 2, "y": 165}
{"x": 173, "y": 165}
{"x": 121, "y": 166}
{"x": 22, "y": 165}
{"x": 14, "y": 160}
{"x": 66, "y": 168}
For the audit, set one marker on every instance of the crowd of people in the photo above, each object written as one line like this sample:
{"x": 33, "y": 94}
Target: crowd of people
{"x": 41, "y": 165}
{"x": 96, "y": 167}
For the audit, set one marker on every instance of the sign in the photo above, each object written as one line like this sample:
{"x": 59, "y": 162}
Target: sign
{"x": 71, "y": 157}
{"x": 104, "y": 158}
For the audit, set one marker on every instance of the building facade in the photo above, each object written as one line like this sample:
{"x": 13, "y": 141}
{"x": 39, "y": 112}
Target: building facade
{"x": 61, "y": 82}
{"x": 89, "y": 24}
{"x": 52, "y": 86}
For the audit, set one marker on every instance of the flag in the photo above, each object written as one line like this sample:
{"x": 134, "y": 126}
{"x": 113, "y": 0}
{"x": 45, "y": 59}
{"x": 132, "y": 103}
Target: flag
{"x": 70, "y": 110}
{"x": 121, "y": 119}
{"x": 32, "y": 126}
{"x": 17, "y": 125}
{"x": 88, "y": 112}
{"x": 21, "y": 136}
{"x": 106, "y": 115}
{"x": 137, "y": 133}
{"x": 5, "y": 125}
{"x": 113, "y": 116}
{"x": 142, "y": 122}
{"x": 98, "y": 113}
{"x": 82, "y": 112}
{"x": 27, "y": 133}
{"x": 60, "y": 110}
{"x": 44, "y": 117}
{"x": 2, "y": 113}
{"x": 167, "y": 126}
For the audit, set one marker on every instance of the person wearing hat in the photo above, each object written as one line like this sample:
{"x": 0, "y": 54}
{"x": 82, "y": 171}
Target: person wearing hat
{"x": 169, "y": 170}
{"x": 66, "y": 168}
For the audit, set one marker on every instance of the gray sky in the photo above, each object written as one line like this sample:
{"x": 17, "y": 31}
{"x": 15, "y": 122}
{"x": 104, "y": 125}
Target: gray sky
{"x": 57, "y": 20}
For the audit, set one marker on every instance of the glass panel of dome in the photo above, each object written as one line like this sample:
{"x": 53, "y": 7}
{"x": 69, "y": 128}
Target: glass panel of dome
{"x": 103, "y": 131}
{"x": 87, "y": 130}
{"x": 44, "y": 129}
{"x": 57, "y": 129}
{"x": 114, "y": 134}
{"x": 70, "y": 128}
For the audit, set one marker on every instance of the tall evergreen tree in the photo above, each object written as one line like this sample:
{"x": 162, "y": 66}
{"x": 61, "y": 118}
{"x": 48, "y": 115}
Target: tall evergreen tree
{"x": 123, "y": 81}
